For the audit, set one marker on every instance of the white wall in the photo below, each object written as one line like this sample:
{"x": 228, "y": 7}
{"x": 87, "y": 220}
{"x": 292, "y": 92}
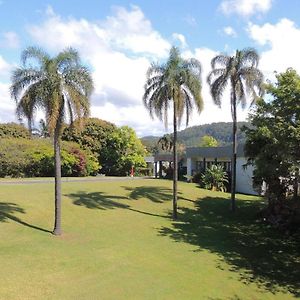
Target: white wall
{"x": 244, "y": 177}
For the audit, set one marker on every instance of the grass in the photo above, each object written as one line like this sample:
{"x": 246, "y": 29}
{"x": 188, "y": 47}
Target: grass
{"x": 120, "y": 242}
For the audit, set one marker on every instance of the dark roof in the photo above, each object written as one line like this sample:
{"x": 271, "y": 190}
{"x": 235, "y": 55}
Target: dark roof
{"x": 214, "y": 152}
{"x": 167, "y": 157}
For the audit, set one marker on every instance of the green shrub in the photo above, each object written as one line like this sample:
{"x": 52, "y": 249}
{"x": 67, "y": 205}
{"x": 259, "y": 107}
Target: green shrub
{"x": 214, "y": 178}
{"x": 13, "y": 130}
{"x": 35, "y": 158}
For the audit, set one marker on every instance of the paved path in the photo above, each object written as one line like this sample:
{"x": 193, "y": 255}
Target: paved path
{"x": 71, "y": 179}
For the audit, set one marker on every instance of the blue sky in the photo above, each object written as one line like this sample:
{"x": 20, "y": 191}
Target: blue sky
{"x": 119, "y": 39}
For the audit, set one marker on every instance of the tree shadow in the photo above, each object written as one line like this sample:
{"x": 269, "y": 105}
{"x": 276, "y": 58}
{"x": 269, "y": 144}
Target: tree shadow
{"x": 7, "y": 211}
{"x": 255, "y": 251}
{"x": 97, "y": 200}
{"x": 153, "y": 193}
{"x": 100, "y": 200}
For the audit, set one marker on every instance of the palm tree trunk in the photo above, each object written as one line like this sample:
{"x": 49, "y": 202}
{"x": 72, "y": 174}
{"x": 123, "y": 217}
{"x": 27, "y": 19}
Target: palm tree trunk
{"x": 57, "y": 223}
{"x": 175, "y": 164}
{"x": 234, "y": 154}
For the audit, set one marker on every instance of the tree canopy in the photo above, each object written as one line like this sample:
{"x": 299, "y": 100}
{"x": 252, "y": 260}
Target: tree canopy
{"x": 208, "y": 141}
{"x": 273, "y": 145}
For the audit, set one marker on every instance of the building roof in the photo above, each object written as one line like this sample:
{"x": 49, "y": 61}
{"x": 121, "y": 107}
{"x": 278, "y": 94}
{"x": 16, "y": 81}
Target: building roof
{"x": 167, "y": 157}
{"x": 214, "y": 152}
{"x": 149, "y": 159}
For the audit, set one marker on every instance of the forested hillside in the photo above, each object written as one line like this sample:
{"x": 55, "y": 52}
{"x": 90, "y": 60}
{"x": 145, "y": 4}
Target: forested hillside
{"x": 191, "y": 136}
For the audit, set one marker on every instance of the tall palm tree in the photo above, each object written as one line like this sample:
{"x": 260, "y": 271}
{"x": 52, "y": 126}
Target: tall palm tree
{"x": 176, "y": 82}
{"x": 60, "y": 86}
{"x": 245, "y": 79}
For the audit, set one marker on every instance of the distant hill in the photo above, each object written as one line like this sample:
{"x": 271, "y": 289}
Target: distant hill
{"x": 221, "y": 131}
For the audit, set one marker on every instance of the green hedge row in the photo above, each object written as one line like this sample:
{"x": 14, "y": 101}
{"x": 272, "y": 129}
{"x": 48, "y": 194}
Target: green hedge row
{"x": 35, "y": 158}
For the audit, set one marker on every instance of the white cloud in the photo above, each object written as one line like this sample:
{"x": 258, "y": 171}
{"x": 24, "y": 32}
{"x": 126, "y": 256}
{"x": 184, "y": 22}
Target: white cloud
{"x": 245, "y": 7}
{"x": 180, "y": 37}
{"x": 118, "y": 49}
{"x": 282, "y": 46}
{"x": 5, "y": 68}
{"x": 126, "y": 30}
{"x": 9, "y": 39}
{"x": 7, "y": 104}
{"x": 228, "y": 30}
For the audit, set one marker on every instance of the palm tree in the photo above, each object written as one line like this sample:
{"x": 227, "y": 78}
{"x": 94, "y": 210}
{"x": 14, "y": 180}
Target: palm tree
{"x": 166, "y": 142}
{"x": 60, "y": 86}
{"x": 245, "y": 79}
{"x": 175, "y": 82}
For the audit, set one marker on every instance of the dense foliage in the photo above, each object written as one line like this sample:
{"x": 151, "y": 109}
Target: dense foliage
{"x": 94, "y": 135}
{"x": 117, "y": 149}
{"x": 124, "y": 150}
{"x": 273, "y": 145}
{"x": 32, "y": 158}
{"x": 13, "y": 130}
{"x": 214, "y": 178}
{"x": 208, "y": 141}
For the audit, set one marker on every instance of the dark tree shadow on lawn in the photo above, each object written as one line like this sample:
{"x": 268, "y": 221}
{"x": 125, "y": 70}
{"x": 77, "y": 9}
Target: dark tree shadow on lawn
{"x": 153, "y": 193}
{"x": 7, "y": 211}
{"x": 97, "y": 200}
{"x": 100, "y": 200}
{"x": 258, "y": 253}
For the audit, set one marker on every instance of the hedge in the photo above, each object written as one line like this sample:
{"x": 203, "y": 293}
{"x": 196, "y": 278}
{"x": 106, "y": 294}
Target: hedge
{"x": 35, "y": 158}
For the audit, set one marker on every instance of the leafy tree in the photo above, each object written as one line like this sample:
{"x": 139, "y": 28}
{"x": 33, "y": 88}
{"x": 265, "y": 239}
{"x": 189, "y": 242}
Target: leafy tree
{"x": 60, "y": 86}
{"x": 208, "y": 141}
{"x": 215, "y": 178}
{"x": 244, "y": 79}
{"x": 150, "y": 145}
{"x": 273, "y": 145}
{"x": 178, "y": 83}
{"x": 94, "y": 135}
{"x": 124, "y": 150}
{"x": 13, "y": 130}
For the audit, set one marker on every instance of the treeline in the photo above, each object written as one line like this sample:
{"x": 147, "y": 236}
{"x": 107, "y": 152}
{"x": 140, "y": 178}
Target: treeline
{"x": 191, "y": 137}
{"x": 96, "y": 147}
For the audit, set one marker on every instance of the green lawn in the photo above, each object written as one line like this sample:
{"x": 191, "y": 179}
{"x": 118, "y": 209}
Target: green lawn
{"x": 119, "y": 242}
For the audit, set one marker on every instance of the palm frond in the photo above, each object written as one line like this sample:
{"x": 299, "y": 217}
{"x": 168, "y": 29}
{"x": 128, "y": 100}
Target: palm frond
{"x": 34, "y": 53}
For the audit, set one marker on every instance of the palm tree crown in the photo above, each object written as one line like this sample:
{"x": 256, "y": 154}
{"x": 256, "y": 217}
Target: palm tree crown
{"x": 242, "y": 73}
{"x": 176, "y": 82}
{"x": 59, "y": 86}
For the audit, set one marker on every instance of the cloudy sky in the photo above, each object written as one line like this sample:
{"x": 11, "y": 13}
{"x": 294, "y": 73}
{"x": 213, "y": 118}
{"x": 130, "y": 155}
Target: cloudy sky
{"x": 119, "y": 39}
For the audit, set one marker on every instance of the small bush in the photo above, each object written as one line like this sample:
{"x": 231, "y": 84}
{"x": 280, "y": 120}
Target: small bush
{"x": 214, "y": 178}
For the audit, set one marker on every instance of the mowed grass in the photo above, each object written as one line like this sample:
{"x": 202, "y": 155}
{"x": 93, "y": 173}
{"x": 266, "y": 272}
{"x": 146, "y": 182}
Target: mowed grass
{"x": 120, "y": 242}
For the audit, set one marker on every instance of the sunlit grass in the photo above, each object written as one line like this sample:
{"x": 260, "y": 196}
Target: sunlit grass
{"x": 120, "y": 242}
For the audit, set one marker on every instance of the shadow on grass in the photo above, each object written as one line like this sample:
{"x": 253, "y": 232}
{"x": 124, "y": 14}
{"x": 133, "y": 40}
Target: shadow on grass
{"x": 256, "y": 252}
{"x": 100, "y": 200}
{"x": 97, "y": 200}
{"x": 153, "y": 193}
{"x": 7, "y": 211}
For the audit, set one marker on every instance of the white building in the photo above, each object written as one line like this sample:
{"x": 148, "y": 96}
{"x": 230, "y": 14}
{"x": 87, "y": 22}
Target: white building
{"x": 199, "y": 158}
